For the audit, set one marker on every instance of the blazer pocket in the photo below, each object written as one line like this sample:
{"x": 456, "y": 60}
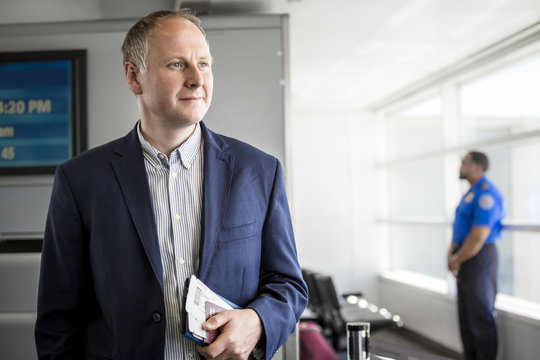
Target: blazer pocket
{"x": 239, "y": 232}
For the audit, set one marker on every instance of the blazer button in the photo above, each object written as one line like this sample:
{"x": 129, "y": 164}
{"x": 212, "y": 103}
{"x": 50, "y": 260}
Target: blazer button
{"x": 156, "y": 317}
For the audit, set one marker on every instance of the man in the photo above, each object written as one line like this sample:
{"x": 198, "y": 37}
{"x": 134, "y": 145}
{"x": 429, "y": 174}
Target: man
{"x": 473, "y": 258}
{"x": 129, "y": 221}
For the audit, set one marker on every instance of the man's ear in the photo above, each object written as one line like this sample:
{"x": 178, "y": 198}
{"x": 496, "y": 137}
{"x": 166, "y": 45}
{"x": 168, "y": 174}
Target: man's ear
{"x": 132, "y": 73}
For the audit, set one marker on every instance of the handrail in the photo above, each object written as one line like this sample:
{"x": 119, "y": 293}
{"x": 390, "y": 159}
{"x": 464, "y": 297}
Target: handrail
{"x": 21, "y": 235}
{"x": 437, "y": 221}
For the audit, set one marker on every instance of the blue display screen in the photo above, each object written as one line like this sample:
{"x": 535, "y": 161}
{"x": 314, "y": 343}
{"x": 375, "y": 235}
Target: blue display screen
{"x": 35, "y": 113}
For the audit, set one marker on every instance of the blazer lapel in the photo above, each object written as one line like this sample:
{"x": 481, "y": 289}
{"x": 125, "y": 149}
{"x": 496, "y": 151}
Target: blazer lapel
{"x": 218, "y": 170}
{"x": 131, "y": 174}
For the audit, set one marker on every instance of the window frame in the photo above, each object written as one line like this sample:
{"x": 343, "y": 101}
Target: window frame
{"x": 513, "y": 50}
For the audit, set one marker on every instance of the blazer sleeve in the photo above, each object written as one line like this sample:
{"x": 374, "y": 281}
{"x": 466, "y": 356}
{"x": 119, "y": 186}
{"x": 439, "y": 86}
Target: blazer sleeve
{"x": 282, "y": 292}
{"x": 58, "y": 330}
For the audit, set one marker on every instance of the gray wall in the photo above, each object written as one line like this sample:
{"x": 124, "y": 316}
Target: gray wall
{"x": 248, "y": 96}
{"x": 248, "y": 104}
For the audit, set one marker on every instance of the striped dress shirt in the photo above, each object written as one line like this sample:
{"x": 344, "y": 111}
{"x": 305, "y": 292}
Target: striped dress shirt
{"x": 176, "y": 191}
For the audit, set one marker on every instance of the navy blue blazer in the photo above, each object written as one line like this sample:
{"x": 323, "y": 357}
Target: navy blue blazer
{"x": 101, "y": 292}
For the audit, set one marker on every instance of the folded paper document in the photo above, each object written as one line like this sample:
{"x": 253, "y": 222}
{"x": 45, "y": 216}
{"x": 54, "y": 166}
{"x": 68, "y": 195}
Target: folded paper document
{"x": 201, "y": 303}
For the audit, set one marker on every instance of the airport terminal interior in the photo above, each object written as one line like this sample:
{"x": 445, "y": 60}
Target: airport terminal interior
{"x": 371, "y": 107}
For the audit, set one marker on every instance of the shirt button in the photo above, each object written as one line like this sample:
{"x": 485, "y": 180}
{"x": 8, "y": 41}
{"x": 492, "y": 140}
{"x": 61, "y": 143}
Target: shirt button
{"x": 156, "y": 317}
{"x": 190, "y": 354}
{"x": 177, "y": 217}
{"x": 182, "y": 261}
{"x": 158, "y": 166}
{"x": 173, "y": 174}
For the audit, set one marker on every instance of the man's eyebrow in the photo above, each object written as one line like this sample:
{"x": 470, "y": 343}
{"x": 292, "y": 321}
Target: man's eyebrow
{"x": 171, "y": 58}
{"x": 207, "y": 58}
{"x": 183, "y": 58}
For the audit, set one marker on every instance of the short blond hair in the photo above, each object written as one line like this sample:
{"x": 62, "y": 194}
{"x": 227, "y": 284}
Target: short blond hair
{"x": 135, "y": 45}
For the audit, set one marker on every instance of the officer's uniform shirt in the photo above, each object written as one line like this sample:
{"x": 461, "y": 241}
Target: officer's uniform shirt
{"x": 482, "y": 205}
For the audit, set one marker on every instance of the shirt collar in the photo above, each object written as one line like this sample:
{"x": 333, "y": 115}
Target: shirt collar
{"x": 479, "y": 182}
{"x": 187, "y": 151}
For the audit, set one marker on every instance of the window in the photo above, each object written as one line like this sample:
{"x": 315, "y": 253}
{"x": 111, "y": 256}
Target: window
{"x": 502, "y": 103}
{"x": 416, "y": 129}
{"x": 492, "y": 108}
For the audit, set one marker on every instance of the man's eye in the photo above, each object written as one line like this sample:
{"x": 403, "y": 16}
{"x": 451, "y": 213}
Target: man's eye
{"x": 176, "y": 65}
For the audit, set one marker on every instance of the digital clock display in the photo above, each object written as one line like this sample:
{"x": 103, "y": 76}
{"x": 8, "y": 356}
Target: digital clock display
{"x": 37, "y": 125}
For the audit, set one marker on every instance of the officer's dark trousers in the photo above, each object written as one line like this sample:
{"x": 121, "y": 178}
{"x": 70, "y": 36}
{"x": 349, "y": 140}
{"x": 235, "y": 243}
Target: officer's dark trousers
{"x": 477, "y": 288}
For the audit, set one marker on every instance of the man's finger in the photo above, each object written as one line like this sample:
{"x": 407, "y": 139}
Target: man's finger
{"x": 217, "y": 321}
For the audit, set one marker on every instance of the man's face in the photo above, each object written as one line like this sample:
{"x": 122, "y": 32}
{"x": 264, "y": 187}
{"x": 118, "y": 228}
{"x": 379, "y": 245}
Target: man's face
{"x": 177, "y": 89}
{"x": 467, "y": 166}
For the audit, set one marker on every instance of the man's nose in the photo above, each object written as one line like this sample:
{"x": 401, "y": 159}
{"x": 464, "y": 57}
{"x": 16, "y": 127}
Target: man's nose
{"x": 194, "y": 77}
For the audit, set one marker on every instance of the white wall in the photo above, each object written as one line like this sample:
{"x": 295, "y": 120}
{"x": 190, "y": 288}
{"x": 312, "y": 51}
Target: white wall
{"x": 333, "y": 197}
{"x": 428, "y": 313}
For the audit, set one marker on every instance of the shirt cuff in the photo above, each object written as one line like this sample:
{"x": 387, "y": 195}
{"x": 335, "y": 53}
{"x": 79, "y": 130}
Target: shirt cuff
{"x": 258, "y": 351}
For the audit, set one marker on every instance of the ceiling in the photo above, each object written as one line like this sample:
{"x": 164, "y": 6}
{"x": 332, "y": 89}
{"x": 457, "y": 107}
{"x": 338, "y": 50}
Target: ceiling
{"x": 343, "y": 53}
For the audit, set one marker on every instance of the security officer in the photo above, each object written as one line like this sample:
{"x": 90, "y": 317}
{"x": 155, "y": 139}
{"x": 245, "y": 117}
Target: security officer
{"x": 473, "y": 258}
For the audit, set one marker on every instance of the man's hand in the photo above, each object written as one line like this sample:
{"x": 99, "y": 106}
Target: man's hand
{"x": 240, "y": 332}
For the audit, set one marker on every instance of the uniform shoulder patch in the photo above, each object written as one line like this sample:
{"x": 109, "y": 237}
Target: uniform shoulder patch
{"x": 486, "y": 202}
{"x": 485, "y": 186}
{"x": 469, "y": 197}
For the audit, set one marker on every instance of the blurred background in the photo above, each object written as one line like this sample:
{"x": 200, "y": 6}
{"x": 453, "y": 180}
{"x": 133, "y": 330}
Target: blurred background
{"x": 377, "y": 103}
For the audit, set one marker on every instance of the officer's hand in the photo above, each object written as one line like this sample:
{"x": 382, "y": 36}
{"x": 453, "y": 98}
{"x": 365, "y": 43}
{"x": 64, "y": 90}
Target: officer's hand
{"x": 453, "y": 265}
{"x": 240, "y": 332}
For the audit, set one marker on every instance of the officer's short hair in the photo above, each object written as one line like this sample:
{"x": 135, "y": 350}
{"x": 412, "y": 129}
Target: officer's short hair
{"x": 481, "y": 159}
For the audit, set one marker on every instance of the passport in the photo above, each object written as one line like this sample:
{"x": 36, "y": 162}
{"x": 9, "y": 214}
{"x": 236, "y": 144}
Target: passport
{"x": 211, "y": 310}
{"x": 199, "y": 304}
